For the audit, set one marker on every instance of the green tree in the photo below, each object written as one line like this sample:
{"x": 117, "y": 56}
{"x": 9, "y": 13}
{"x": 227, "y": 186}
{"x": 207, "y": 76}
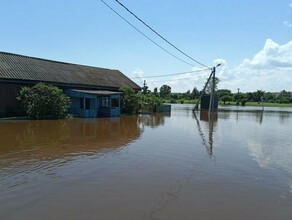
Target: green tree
{"x": 195, "y": 93}
{"x": 269, "y": 97}
{"x": 44, "y": 101}
{"x": 187, "y": 95}
{"x": 145, "y": 88}
{"x": 258, "y": 95}
{"x": 165, "y": 91}
{"x": 129, "y": 100}
{"x": 155, "y": 91}
{"x": 226, "y": 98}
{"x": 210, "y": 84}
{"x": 223, "y": 93}
{"x": 132, "y": 102}
{"x": 284, "y": 97}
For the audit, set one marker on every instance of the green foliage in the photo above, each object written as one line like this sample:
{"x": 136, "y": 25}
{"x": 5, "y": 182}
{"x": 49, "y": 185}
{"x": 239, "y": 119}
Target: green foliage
{"x": 225, "y": 98}
{"x": 155, "y": 91}
{"x": 223, "y": 92}
{"x": 284, "y": 97}
{"x": 129, "y": 100}
{"x": 243, "y": 102}
{"x": 165, "y": 91}
{"x": 133, "y": 102}
{"x": 44, "y": 101}
{"x": 195, "y": 93}
{"x": 210, "y": 84}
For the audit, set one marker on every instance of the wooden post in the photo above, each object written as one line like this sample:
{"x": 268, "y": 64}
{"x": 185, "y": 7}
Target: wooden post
{"x": 212, "y": 95}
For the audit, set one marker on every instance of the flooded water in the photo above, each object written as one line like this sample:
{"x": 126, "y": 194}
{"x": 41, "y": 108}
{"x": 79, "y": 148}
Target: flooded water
{"x": 235, "y": 164}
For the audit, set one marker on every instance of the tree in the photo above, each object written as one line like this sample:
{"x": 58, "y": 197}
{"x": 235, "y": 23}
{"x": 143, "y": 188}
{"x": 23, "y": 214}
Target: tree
{"x": 155, "y": 91}
{"x": 44, "y": 101}
{"x": 226, "y": 98}
{"x": 145, "y": 88}
{"x": 222, "y": 93}
{"x": 129, "y": 100}
{"x": 195, "y": 93}
{"x": 165, "y": 91}
{"x": 284, "y": 97}
{"x": 269, "y": 97}
{"x": 187, "y": 95}
{"x": 132, "y": 102}
{"x": 210, "y": 85}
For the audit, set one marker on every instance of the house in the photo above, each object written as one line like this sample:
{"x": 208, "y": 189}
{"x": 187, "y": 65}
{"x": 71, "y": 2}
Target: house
{"x": 94, "y": 91}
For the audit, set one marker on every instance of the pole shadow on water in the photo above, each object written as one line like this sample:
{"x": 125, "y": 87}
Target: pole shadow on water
{"x": 211, "y": 118}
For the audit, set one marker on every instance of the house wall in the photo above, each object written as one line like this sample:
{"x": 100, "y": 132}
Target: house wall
{"x": 78, "y": 106}
{"x": 9, "y": 105}
{"x": 113, "y": 109}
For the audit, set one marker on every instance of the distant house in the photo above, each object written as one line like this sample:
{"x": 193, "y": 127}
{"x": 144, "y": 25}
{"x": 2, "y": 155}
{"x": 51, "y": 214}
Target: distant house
{"x": 94, "y": 91}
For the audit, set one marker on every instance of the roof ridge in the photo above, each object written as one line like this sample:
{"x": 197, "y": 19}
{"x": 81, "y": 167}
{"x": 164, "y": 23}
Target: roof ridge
{"x": 53, "y": 61}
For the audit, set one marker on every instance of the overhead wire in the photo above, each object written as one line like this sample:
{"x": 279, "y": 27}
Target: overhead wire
{"x": 163, "y": 38}
{"x": 173, "y": 74}
{"x": 145, "y": 35}
{"x": 142, "y": 78}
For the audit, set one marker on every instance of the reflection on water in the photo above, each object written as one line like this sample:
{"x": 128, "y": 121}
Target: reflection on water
{"x": 149, "y": 166}
{"x": 210, "y": 119}
{"x": 54, "y": 139}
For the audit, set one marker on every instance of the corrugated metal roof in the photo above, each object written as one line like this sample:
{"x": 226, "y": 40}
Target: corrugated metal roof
{"x": 19, "y": 67}
{"x": 96, "y": 92}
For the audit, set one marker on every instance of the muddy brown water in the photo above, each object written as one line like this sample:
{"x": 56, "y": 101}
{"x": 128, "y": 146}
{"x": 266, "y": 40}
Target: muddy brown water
{"x": 236, "y": 164}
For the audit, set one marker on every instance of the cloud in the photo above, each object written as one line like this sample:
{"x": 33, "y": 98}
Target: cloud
{"x": 287, "y": 24}
{"x": 290, "y": 5}
{"x": 269, "y": 70}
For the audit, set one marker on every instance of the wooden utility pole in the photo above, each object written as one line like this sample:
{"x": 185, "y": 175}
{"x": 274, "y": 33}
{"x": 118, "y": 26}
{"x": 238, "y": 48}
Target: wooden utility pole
{"x": 212, "y": 98}
{"x": 212, "y": 95}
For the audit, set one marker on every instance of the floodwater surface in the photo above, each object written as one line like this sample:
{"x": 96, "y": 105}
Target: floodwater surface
{"x": 235, "y": 164}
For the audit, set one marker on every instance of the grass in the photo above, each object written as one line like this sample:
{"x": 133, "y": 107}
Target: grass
{"x": 266, "y": 104}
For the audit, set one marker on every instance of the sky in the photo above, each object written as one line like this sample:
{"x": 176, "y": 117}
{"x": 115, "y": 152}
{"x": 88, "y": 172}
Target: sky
{"x": 251, "y": 39}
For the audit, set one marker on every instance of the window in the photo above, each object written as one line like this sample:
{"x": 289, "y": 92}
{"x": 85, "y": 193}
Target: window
{"x": 87, "y": 103}
{"x": 81, "y": 103}
{"x": 105, "y": 101}
{"x": 115, "y": 103}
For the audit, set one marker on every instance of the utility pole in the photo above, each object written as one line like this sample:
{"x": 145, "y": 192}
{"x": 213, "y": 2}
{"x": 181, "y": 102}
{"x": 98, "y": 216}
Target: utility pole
{"x": 212, "y": 98}
{"x": 237, "y": 101}
{"x": 211, "y": 103}
{"x": 145, "y": 87}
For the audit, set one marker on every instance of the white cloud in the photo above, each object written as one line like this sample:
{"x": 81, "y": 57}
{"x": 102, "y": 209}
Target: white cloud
{"x": 290, "y": 5}
{"x": 269, "y": 70}
{"x": 139, "y": 76}
{"x": 287, "y": 24}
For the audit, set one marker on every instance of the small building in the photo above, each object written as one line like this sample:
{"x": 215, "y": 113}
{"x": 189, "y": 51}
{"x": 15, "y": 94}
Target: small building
{"x": 205, "y": 102}
{"x": 94, "y": 91}
{"x": 92, "y": 104}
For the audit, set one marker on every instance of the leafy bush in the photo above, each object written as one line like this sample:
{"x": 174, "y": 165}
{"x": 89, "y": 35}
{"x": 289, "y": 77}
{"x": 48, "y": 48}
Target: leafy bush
{"x": 44, "y": 101}
{"x": 132, "y": 102}
{"x": 243, "y": 102}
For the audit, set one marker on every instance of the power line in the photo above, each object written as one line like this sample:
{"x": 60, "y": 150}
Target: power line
{"x": 160, "y": 34}
{"x": 146, "y": 35}
{"x": 172, "y": 74}
{"x": 168, "y": 80}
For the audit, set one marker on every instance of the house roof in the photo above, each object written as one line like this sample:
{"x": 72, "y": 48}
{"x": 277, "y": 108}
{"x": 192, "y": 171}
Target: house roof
{"x": 24, "y": 68}
{"x": 96, "y": 92}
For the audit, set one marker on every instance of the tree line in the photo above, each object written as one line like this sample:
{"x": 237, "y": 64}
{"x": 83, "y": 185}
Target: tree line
{"x": 224, "y": 95}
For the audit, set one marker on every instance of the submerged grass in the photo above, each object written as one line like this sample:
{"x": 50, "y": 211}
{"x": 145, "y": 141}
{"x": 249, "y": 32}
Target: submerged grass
{"x": 267, "y": 104}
